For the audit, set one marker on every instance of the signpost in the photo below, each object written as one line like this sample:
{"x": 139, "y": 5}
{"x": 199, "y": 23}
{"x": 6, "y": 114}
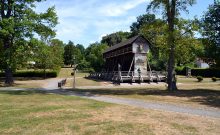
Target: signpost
{"x": 74, "y": 70}
{"x": 74, "y": 77}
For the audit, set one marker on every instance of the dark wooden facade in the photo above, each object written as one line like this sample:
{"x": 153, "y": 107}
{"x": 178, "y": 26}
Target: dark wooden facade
{"x": 127, "y": 61}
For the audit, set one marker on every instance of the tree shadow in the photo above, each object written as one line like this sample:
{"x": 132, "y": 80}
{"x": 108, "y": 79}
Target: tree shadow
{"x": 22, "y": 92}
{"x": 96, "y": 80}
{"x": 202, "y": 96}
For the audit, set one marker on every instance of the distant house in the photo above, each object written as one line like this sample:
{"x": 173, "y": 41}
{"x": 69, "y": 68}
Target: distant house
{"x": 200, "y": 63}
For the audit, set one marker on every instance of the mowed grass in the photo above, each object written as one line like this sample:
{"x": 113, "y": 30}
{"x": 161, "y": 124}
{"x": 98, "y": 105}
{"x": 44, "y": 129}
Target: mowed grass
{"x": 80, "y": 78}
{"x": 190, "y": 93}
{"x": 31, "y": 112}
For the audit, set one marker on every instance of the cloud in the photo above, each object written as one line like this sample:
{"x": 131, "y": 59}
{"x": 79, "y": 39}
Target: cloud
{"x": 117, "y": 9}
{"x": 88, "y": 20}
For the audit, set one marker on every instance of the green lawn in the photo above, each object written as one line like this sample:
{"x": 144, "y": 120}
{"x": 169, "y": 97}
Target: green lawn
{"x": 39, "y": 113}
{"x": 190, "y": 93}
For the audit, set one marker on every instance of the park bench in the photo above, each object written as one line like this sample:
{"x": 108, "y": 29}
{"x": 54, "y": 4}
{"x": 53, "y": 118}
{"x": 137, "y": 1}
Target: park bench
{"x": 61, "y": 83}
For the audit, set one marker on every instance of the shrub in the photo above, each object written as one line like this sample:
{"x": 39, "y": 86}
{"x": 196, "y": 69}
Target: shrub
{"x": 208, "y": 72}
{"x": 88, "y": 70}
{"x": 200, "y": 78}
{"x": 49, "y": 74}
{"x": 214, "y": 79}
{"x": 72, "y": 73}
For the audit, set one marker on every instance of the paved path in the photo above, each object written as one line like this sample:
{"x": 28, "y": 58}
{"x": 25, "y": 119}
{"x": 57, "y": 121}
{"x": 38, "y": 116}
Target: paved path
{"x": 52, "y": 84}
{"x": 144, "y": 104}
{"x": 52, "y": 88}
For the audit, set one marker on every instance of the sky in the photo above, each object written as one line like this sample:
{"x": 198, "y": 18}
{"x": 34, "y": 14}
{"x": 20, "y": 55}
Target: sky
{"x": 86, "y": 21}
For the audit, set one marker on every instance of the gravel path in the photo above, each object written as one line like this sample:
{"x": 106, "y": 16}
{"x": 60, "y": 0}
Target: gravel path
{"x": 51, "y": 87}
{"x": 145, "y": 104}
{"x": 52, "y": 84}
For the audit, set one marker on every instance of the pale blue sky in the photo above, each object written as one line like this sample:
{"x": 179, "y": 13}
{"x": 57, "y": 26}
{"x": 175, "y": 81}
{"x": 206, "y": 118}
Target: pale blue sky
{"x": 86, "y": 21}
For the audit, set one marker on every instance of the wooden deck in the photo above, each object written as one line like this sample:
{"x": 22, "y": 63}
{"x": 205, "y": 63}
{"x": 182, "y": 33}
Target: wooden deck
{"x": 125, "y": 76}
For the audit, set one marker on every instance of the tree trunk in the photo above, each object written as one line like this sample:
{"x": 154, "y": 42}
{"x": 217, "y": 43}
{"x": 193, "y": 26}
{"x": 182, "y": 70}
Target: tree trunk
{"x": 6, "y": 13}
{"x": 171, "y": 79}
{"x": 8, "y": 70}
{"x": 8, "y": 76}
{"x": 45, "y": 73}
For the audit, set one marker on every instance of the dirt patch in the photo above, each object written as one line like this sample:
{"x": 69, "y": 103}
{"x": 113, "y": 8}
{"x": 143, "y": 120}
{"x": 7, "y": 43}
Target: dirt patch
{"x": 159, "y": 122}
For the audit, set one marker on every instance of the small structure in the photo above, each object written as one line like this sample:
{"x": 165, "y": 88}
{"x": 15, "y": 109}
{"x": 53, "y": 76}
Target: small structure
{"x": 127, "y": 61}
{"x": 200, "y": 63}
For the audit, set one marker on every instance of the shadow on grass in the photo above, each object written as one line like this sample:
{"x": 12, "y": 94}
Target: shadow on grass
{"x": 96, "y": 80}
{"x": 2, "y": 79}
{"x": 203, "y": 96}
{"x": 22, "y": 92}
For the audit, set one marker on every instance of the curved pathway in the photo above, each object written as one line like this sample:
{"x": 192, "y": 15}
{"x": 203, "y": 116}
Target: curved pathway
{"x": 143, "y": 104}
{"x": 51, "y": 87}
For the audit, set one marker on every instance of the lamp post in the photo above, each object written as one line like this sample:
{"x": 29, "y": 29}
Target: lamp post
{"x": 74, "y": 69}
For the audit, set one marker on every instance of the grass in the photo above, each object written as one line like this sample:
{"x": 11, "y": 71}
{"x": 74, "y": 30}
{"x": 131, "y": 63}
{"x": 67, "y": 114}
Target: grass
{"x": 190, "y": 93}
{"x": 80, "y": 78}
{"x": 32, "y": 112}
{"x": 81, "y": 81}
{"x": 66, "y": 73}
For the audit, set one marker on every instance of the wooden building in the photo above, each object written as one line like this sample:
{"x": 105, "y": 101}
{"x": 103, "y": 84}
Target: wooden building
{"x": 127, "y": 61}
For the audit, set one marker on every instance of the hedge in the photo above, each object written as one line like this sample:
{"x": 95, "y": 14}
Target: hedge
{"x": 49, "y": 74}
{"x": 207, "y": 72}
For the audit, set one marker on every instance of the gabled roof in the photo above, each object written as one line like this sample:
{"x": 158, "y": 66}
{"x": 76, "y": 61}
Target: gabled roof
{"x": 124, "y": 43}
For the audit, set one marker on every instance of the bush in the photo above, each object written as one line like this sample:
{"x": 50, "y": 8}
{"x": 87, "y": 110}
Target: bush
{"x": 72, "y": 73}
{"x": 88, "y": 70}
{"x": 214, "y": 79}
{"x": 180, "y": 70}
{"x": 208, "y": 72}
{"x": 49, "y": 74}
{"x": 200, "y": 78}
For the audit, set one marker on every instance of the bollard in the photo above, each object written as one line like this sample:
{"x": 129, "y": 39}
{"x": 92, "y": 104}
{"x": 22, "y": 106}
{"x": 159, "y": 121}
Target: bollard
{"x": 59, "y": 85}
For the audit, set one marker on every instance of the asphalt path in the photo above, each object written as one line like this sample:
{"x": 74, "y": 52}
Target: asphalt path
{"x": 51, "y": 87}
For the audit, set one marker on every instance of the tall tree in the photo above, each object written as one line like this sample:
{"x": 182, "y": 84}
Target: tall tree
{"x": 69, "y": 53}
{"x": 171, "y": 9}
{"x": 211, "y": 32}
{"x": 19, "y": 22}
{"x": 42, "y": 55}
{"x": 94, "y": 55}
{"x": 81, "y": 48}
{"x": 57, "y": 47}
{"x": 146, "y": 19}
{"x": 115, "y": 38}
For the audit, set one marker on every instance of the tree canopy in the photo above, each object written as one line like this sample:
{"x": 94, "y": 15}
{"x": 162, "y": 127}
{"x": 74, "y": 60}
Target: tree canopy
{"x": 18, "y": 24}
{"x": 170, "y": 9}
{"x": 115, "y": 38}
{"x": 211, "y": 32}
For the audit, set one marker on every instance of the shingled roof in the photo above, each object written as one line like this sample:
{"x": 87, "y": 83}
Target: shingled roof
{"x": 124, "y": 43}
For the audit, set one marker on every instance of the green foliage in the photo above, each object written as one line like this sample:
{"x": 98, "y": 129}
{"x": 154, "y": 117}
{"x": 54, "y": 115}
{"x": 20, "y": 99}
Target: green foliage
{"x": 46, "y": 56}
{"x": 81, "y": 48}
{"x": 88, "y": 70}
{"x": 115, "y": 38}
{"x": 83, "y": 65}
{"x": 199, "y": 78}
{"x": 187, "y": 47}
{"x": 214, "y": 79}
{"x": 69, "y": 53}
{"x": 57, "y": 49}
{"x": 146, "y": 19}
{"x": 18, "y": 24}
{"x": 49, "y": 74}
{"x": 94, "y": 55}
{"x": 210, "y": 24}
{"x": 207, "y": 72}
{"x": 73, "y": 54}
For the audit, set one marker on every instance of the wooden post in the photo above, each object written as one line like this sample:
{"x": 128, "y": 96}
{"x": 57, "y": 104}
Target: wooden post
{"x": 74, "y": 79}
